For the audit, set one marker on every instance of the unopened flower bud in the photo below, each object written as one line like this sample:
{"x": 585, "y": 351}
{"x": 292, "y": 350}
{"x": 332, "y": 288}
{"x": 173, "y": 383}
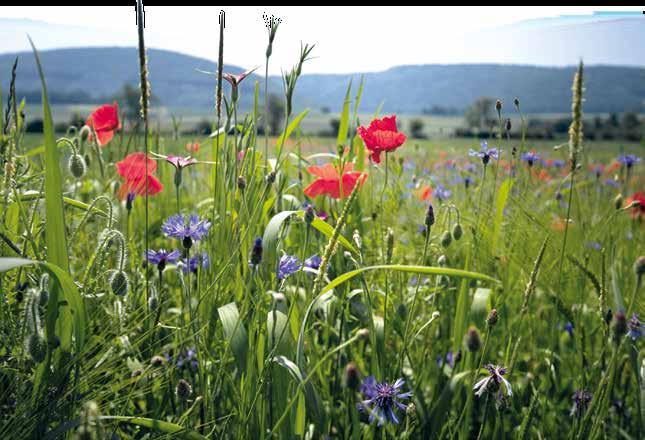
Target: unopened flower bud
{"x": 507, "y": 125}
{"x": 492, "y": 318}
{"x": 639, "y": 266}
{"x": 618, "y": 201}
{"x": 472, "y": 340}
{"x": 157, "y": 361}
{"x": 77, "y": 165}
{"x": 442, "y": 261}
{"x": 183, "y": 389}
{"x": 36, "y": 347}
{"x": 352, "y": 378}
{"x": 446, "y": 239}
{"x": 516, "y": 101}
{"x": 310, "y": 215}
{"x": 498, "y": 106}
{"x": 241, "y": 183}
{"x": 429, "y": 221}
{"x": 620, "y": 325}
{"x": 389, "y": 245}
{"x": 270, "y": 178}
{"x": 120, "y": 283}
{"x": 363, "y": 333}
{"x": 457, "y": 232}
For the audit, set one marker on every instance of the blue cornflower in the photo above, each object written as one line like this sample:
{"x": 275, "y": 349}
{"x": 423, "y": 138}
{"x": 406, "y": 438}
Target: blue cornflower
{"x": 558, "y": 163}
{"x": 288, "y": 265}
{"x": 568, "y": 327}
{"x": 593, "y": 245}
{"x": 581, "y": 400}
{"x": 190, "y": 359}
{"x": 468, "y": 181}
{"x": 256, "y": 253}
{"x": 635, "y": 327}
{"x": 531, "y": 157}
{"x": 484, "y": 153}
{"x": 187, "y": 229}
{"x": 493, "y": 381}
{"x": 312, "y": 264}
{"x": 381, "y": 399}
{"x": 612, "y": 183}
{"x": 194, "y": 263}
{"x": 162, "y": 257}
{"x": 629, "y": 160}
{"x": 441, "y": 193}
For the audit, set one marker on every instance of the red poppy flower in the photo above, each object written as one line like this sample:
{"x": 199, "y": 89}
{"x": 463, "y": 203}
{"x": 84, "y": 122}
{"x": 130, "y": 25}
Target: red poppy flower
{"x": 638, "y": 211}
{"x": 425, "y": 193}
{"x": 104, "y": 121}
{"x": 328, "y": 181}
{"x": 135, "y": 175}
{"x": 381, "y": 135}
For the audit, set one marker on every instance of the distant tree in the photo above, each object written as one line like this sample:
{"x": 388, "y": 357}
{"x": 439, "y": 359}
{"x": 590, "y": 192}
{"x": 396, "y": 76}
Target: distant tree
{"x": 203, "y": 127}
{"x": 481, "y": 114}
{"x": 35, "y": 126}
{"x": 416, "y": 128}
{"x": 334, "y": 124}
{"x": 129, "y": 99}
{"x": 630, "y": 121}
{"x": 276, "y": 113}
{"x": 325, "y": 110}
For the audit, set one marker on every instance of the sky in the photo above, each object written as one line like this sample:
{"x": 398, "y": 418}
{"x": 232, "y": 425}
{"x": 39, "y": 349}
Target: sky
{"x": 348, "y": 39}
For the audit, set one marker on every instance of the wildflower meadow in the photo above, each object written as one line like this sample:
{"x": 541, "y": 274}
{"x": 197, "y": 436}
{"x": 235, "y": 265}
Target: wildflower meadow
{"x": 372, "y": 285}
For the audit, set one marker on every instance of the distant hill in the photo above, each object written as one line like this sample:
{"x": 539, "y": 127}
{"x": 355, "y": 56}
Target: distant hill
{"x": 96, "y": 74}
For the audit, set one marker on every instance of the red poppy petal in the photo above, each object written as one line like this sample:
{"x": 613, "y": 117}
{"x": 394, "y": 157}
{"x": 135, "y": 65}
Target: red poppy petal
{"x": 134, "y": 165}
{"x": 350, "y": 180}
{"x": 104, "y": 137}
{"x": 327, "y": 171}
{"x": 388, "y": 123}
{"x": 106, "y": 117}
{"x": 323, "y": 186}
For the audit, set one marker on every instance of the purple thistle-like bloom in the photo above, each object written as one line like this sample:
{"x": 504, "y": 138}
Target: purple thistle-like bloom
{"x": 581, "y": 400}
{"x": 494, "y": 381}
{"x": 288, "y": 265}
{"x": 635, "y": 327}
{"x": 629, "y": 160}
{"x": 193, "y": 230}
{"x": 194, "y": 263}
{"x": 162, "y": 257}
{"x": 484, "y": 153}
{"x": 382, "y": 399}
{"x": 531, "y": 157}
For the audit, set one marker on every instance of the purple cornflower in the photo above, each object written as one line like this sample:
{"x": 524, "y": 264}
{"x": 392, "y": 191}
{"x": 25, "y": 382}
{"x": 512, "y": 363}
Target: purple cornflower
{"x": 581, "y": 400}
{"x": 494, "y": 381}
{"x": 177, "y": 227}
{"x": 312, "y": 264}
{"x": 450, "y": 359}
{"x": 194, "y": 263}
{"x": 190, "y": 359}
{"x": 256, "y": 253}
{"x": 484, "y": 153}
{"x": 288, "y": 265}
{"x": 629, "y": 160}
{"x": 593, "y": 245}
{"x": 441, "y": 193}
{"x": 381, "y": 400}
{"x": 635, "y": 327}
{"x": 568, "y": 327}
{"x": 468, "y": 181}
{"x": 162, "y": 257}
{"x": 530, "y": 158}
{"x": 558, "y": 163}
{"x": 129, "y": 200}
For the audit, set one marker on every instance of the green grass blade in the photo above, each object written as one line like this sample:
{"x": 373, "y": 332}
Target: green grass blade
{"x": 343, "y": 127}
{"x": 429, "y": 270}
{"x": 235, "y": 333}
{"x": 502, "y": 198}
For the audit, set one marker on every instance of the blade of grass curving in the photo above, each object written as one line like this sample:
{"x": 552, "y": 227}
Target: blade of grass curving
{"x": 290, "y": 128}
{"x": 235, "y": 333}
{"x": 177, "y": 431}
{"x": 430, "y": 270}
{"x": 56, "y": 243}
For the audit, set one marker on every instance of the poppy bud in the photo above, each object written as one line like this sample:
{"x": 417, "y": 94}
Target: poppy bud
{"x": 183, "y": 389}
{"x": 241, "y": 183}
{"x": 157, "y": 361}
{"x": 516, "y": 101}
{"x": 618, "y": 201}
{"x": 446, "y": 239}
{"x": 129, "y": 200}
{"x": 270, "y": 178}
{"x": 639, "y": 266}
{"x": 77, "y": 166}
{"x": 442, "y": 261}
{"x": 429, "y": 216}
{"x": 492, "y": 318}
{"x": 472, "y": 340}
{"x": 120, "y": 283}
{"x": 36, "y": 347}
{"x": 507, "y": 126}
{"x": 457, "y": 232}
{"x": 498, "y": 106}
{"x": 352, "y": 379}
{"x": 620, "y": 325}
{"x": 153, "y": 303}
